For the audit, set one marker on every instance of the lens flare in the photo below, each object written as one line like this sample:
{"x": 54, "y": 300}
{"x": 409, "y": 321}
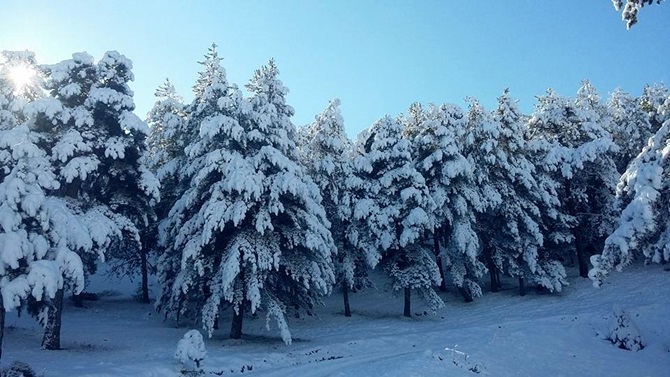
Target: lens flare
{"x": 21, "y": 77}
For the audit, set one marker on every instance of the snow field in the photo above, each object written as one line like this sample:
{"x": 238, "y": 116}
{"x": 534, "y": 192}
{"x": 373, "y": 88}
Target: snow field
{"x": 500, "y": 334}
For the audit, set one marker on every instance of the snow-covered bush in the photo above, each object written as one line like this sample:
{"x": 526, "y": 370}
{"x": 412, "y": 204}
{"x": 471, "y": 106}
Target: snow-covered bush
{"x": 623, "y": 333}
{"x": 18, "y": 369}
{"x": 191, "y": 351}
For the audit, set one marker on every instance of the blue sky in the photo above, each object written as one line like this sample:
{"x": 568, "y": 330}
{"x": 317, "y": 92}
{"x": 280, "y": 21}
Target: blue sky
{"x": 376, "y": 56}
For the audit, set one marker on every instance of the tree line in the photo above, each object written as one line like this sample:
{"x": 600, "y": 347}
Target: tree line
{"x": 236, "y": 210}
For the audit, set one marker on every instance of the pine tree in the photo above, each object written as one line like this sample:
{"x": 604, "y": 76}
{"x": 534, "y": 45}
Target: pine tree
{"x": 211, "y": 86}
{"x": 437, "y": 138}
{"x": 652, "y": 99}
{"x": 43, "y": 233}
{"x": 254, "y": 234}
{"x": 166, "y": 143}
{"x": 644, "y": 224}
{"x": 577, "y": 145}
{"x": 630, "y": 127}
{"x": 511, "y": 229}
{"x": 395, "y": 211}
{"x": 326, "y": 152}
{"x": 168, "y": 120}
{"x": 123, "y": 180}
{"x": 96, "y": 146}
{"x": 631, "y": 9}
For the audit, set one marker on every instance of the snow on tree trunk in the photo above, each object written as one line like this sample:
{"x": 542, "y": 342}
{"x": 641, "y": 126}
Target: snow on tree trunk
{"x": 51, "y": 339}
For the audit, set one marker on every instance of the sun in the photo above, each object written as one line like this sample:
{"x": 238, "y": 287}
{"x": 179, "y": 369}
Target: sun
{"x": 21, "y": 76}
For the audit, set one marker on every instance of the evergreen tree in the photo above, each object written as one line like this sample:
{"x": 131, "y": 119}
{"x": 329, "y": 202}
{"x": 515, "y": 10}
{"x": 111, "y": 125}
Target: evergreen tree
{"x": 96, "y": 146}
{"x": 42, "y": 233}
{"x": 651, "y": 101}
{"x": 188, "y": 156}
{"x": 630, "y": 127}
{"x": 166, "y": 159}
{"x": 254, "y": 234}
{"x": 631, "y": 9}
{"x": 167, "y": 120}
{"x": 326, "y": 152}
{"x": 511, "y": 229}
{"x": 123, "y": 180}
{"x": 644, "y": 224}
{"x": 437, "y": 138}
{"x": 578, "y": 147}
{"x": 395, "y": 211}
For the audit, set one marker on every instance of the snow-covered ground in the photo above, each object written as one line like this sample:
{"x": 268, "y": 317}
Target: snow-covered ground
{"x": 501, "y": 334}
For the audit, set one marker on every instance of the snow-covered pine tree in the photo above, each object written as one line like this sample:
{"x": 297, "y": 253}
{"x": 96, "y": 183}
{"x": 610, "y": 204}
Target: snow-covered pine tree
{"x": 326, "y": 152}
{"x": 167, "y": 159}
{"x": 123, "y": 180}
{"x": 96, "y": 147}
{"x": 652, "y": 99}
{"x": 167, "y": 121}
{"x": 41, "y": 233}
{"x": 644, "y": 224}
{"x": 631, "y": 9}
{"x": 255, "y": 234}
{"x": 511, "y": 230}
{"x": 189, "y": 158}
{"x": 577, "y": 145}
{"x": 182, "y": 130}
{"x": 630, "y": 127}
{"x": 437, "y": 138}
{"x": 11, "y": 237}
{"x": 395, "y": 212}
{"x": 547, "y": 157}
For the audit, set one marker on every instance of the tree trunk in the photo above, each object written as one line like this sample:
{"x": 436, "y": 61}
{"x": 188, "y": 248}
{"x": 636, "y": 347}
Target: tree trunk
{"x": 51, "y": 340}
{"x": 467, "y": 296}
{"x": 2, "y": 325}
{"x": 522, "y": 287}
{"x": 408, "y": 302}
{"x": 145, "y": 275}
{"x": 78, "y": 300}
{"x": 236, "y": 326}
{"x": 493, "y": 271}
{"x": 345, "y": 297}
{"x": 582, "y": 258}
{"x": 438, "y": 260}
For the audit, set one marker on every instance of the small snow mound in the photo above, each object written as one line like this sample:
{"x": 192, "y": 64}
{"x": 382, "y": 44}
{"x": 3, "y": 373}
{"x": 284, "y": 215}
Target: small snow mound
{"x": 623, "y": 332}
{"x": 191, "y": 351}
{"x": 18, "y": 369}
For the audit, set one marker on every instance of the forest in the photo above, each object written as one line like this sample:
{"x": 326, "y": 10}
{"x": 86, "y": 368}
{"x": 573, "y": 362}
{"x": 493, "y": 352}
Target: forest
{"x": 238, "y": 213}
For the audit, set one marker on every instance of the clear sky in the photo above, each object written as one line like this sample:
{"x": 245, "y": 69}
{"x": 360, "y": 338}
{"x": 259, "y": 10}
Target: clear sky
{"x": 377, "y": 56}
